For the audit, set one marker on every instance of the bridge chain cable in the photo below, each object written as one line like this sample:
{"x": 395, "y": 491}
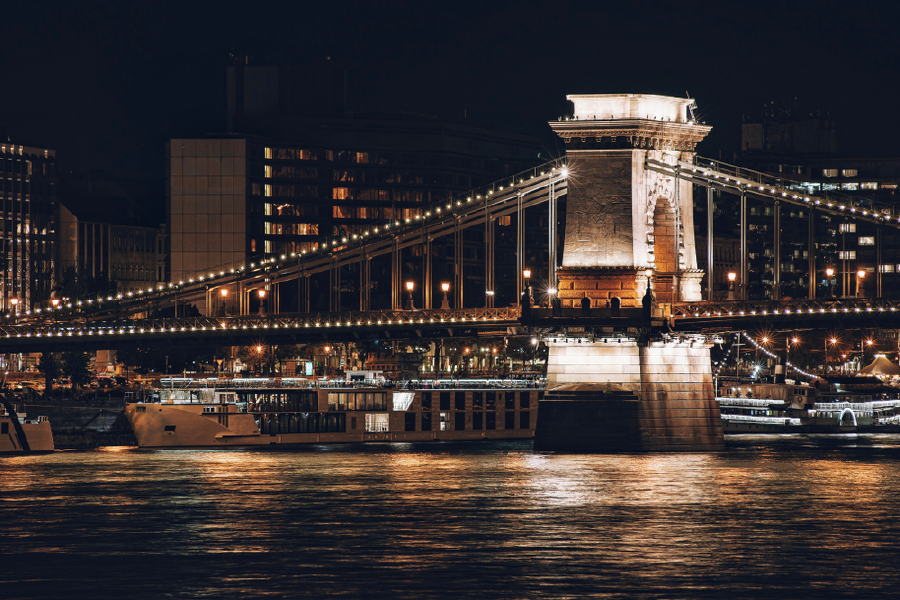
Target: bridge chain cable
{"x": 498, "y": 193}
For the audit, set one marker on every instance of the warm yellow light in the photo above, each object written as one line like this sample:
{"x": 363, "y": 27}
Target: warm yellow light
{"x": 445, "y": 287}
{"x": 55, "y": 302}
{"x": 259, "y": 348}
{"x": 14, "y": 301}
{"x": 765, "y": 340}
{"x": 327, "y": 348}
{"x": 833, "y": 341}
{"x": 732, "y": 276}
{"x": 868, "y": 342}
{"x": 527, "y": 273}
{"x": 224, "y": 292}
{"x": 829, "y": 271}
{"x": 410, "y": 285}
{"x": 861, "y": 274}
{"x": 794, "y": 340}
{"x": 262, "y": 293}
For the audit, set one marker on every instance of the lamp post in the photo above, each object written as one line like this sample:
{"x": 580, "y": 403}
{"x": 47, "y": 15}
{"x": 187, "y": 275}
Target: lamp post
{"x": 224, "y": 293}
{"x": 410, "y": 286}
{"x": 833, "y": 341}
{"x": 731, "y": 277}
{"x": 527, "y": 274}
{"x": 860, "y": 276}
{"x": 829, "y": 273}
{"x": 262, "y": 297}
{"x": 445, "y": 303}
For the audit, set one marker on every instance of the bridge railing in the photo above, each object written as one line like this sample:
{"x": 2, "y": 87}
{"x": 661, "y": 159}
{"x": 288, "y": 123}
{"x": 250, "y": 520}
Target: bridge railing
{"x": 781, "y": 307}
{"x": 323, "y": 321}
{"x": 460, "y": 203}
{"x": 849, "y": 202}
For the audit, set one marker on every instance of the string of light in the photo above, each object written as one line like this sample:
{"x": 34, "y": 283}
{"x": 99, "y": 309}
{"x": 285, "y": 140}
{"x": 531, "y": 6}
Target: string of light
{"x": 333, "y": 243}
{"x": 771, "y": 354}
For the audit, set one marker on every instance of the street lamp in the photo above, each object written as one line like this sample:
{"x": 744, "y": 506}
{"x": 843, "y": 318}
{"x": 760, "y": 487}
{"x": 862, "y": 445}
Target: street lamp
{"x": 527, "y": 274}
{"x": 860, "y": 276}
{"x": 224, "y": 293}
{"x": 262, "y": 296}
{"x": 445, "y": 304}
{"x": 829, "y": 273}
{"x": 731, "y": 277}
{"x": 409, "y": 288}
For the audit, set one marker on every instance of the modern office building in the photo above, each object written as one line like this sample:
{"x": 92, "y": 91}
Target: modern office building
{"x": 296, "y": 164}
{"x": 29, "y": 198}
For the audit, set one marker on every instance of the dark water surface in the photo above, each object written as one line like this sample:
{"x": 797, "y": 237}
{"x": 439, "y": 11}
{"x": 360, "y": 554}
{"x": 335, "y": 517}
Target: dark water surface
{"x": 772, "y": 517}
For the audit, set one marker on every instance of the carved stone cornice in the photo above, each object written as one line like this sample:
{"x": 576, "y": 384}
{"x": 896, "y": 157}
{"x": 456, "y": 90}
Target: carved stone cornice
{"x": 635, "y": 133}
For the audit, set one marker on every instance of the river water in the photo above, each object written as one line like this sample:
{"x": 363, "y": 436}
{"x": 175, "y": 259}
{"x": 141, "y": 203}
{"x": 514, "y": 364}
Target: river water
{"x": 771, "y": 517}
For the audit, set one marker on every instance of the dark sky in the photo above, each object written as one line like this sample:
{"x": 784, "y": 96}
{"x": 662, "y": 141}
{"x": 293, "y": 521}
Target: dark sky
{"x": 106, "y": 83}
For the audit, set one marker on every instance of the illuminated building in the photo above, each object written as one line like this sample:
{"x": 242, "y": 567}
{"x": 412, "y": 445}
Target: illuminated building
{"x": 28, "y": 194}
{"x": 296, "y": 164}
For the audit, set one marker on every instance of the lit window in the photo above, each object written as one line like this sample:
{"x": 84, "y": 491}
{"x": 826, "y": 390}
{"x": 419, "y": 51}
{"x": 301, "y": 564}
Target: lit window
{"x": 848, "y": 173}
{"x": 869, "y": 185}
{"x": 341, "y": 193}
{"x": 403, "y": 400}
{"x": 268, "y": 171}
{"x": 268, "y": 153}
{"x": 889, "y": 186}
{"x": 849, "y": 186}
{"x": 847, "y": 254}
{"x": 848, "y": 227}
{"x": 376, "y": 422}
{"x": 866, "y": 241}
{"x": 887, "y": 268}
{"x": 829, "y": 172}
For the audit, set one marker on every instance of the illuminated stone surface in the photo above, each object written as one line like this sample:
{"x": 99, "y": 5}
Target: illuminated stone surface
{"x": 624, "y": 225}
{"x": 619, "y": 214}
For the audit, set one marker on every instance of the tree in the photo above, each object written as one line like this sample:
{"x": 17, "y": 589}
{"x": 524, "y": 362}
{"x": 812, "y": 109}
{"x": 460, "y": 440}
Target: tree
{"x": 49, "y": 365}
{"x": 75, "y": 367}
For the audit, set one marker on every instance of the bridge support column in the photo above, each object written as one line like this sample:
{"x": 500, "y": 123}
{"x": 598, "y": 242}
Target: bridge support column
{"x": 615, "y": 396}
{"x": 812, "y": 254}
{"x": 621, "y": 234}
{"x": 427, "y": 283}
{"x": 776, "y": 259}
{"x": 489, "y": 284}
{"x": 745, "y": 268}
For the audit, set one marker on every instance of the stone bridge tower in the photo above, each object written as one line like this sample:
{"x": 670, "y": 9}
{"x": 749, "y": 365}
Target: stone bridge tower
{"x": 625, "y": 223}
{"x": 614, "y": 385}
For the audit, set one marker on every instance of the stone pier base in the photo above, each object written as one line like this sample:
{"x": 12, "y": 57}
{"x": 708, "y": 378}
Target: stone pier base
{"x": 612, "y": 396}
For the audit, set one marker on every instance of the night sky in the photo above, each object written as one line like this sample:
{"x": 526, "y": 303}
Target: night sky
{"x": 106, "y": 83}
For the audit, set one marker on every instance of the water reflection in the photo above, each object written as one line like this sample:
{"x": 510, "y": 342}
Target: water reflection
{"x": 772, "y": 516}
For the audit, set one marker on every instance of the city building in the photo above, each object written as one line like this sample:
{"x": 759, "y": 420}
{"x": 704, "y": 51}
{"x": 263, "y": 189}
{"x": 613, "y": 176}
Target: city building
{"x": 297, "y": 164}
{"x": 112, "y": 231}
{"x": 849, "y": 259}
{"x": 29, "y": 198}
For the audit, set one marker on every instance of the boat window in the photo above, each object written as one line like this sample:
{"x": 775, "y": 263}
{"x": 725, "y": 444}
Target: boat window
{"x": 524, "y": 420}
{"x": 426, "y": 400}
{"x": 4, "y": 428}
{"x": 460, "y": 401}
{"x": 376, "y": 422}
{"x": 170, "y": 428}
{"x": 478, "y": 420}
{"x": 410, "y": 421}
{"x": 524, "y": 401}
{"x": 445, "y": 421}
{"x": 140, "y": 409}
{"x": 402, "y": 401}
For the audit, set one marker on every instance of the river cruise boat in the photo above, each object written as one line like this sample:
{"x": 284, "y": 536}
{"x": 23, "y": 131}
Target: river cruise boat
{"x": 20, "y": 435}
{"x": 832, "y": 405}
{"x": 267, "y": 412}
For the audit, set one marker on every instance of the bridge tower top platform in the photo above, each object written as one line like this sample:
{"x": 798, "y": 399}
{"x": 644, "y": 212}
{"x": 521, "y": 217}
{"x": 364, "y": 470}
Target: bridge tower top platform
{"x": 625, "y": 223}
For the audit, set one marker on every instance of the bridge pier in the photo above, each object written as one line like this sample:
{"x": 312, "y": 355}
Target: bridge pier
{"x": 628, "y": 227}
{"x": 655, "y": 397}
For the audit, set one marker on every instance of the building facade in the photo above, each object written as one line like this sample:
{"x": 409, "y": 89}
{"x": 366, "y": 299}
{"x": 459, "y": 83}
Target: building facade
{"x": 29, "y": 199}
{"x": 297, "y": 165}
{"x": 111, "y": 231}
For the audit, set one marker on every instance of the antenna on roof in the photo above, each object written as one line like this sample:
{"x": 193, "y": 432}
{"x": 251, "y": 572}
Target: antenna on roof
{"x": 692, "y": 106}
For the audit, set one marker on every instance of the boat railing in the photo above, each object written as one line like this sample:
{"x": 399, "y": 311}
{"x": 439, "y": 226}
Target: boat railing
{"x": 767, "y": 420}
{"x": 762, "y": 402}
